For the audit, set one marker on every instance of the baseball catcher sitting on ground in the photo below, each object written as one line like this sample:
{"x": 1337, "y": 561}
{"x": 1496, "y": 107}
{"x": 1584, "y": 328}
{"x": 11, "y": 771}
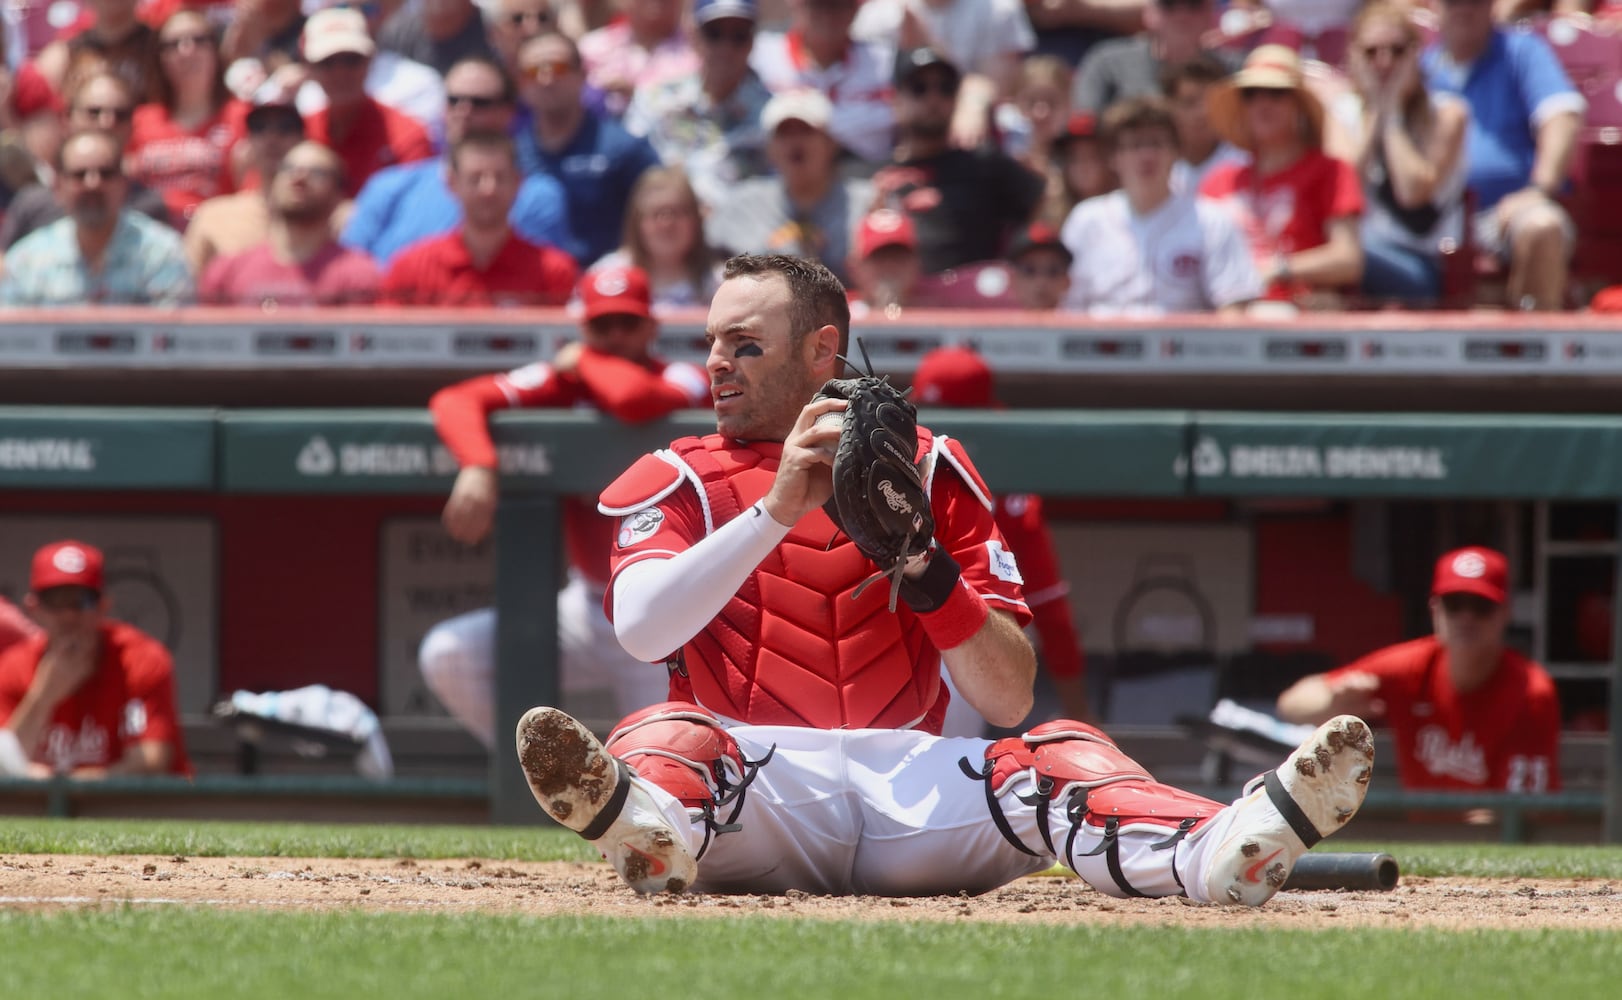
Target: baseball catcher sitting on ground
{"x": 804, "y": 753}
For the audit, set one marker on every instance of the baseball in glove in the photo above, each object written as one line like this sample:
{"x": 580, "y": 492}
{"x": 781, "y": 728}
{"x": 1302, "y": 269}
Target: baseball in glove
{"x": 878, "y": 494}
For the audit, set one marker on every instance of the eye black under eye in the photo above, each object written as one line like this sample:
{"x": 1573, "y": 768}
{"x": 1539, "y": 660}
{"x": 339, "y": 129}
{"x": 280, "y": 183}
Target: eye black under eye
{"x": 748, "y": 349}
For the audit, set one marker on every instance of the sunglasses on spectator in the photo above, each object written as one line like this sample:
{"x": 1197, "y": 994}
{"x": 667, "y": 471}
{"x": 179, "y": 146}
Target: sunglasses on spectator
{"x": 308, "y": 170}
{"x": 1251, "y": 93}
{"x": 343, "y": 60}
{"x": 715, "y": 34}
{"x": 120, "y": 115}
{"x": 1187, "y": 4}
{"x": 614, "y": 323}
{"x": 922, "y": 86}
{"x": 81, "y": 174}
{"x": 1051, "y": 271}
{"x": 283, "y": 124}
{"x": 549, "y": 69}
{"x": 541, "y": 17}
{"x": 179, "y": 41}
{"x": 477, "y": 102}
{"x": 68, "y": 598}
{"x": 1457, "y": 604}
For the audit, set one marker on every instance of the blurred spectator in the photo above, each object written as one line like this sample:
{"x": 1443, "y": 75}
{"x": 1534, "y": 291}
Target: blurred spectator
{"x": 231, "y": 223}
{"x": 104, "y": 102}
{"x": 1467, "y": 712}
{"x": 391, "y": 79}
{"x": 29, "y": 107}
{"x": 963, "y": 202}
{"x": 1069, "y": 29}
{"x": 664, "y": 237}
{"x": 366, "y": 134}
{"x": 1407, "y": 145}
{"x": 411, "y": 201}
{"x": 86, "y": 696}
{"x": 482, "y": 262}
{"x": 182, "y": 143}
{"x": 1298, "y": 207}
{"x": 1130, "y": 67}
{"x": 1200, "y": 148}
{"x": 889, "y": 270}
{"x": 984, "y": 39}
{"x": 1145, "y": 250}
{"x": 1031, "y": 124}
{"x": 959, "y": 377}
{"x": 1078, "y": 170}
{"x": 643, "y": 48}
{"x": 511, "y": 23}
{"x": 1524, "y": 120}
{"x": 100, "y": 253}
{"x": 264, "y": 31}
{"x": 817, "y": 51}
{"x": 436, "y": 33}
{"x": 594, "y": 159}
{"x": 115, "y": 42}
{"x": 709, "y": 121}
{"x": 1040, "y": 275}
{"x": 612, "y": 369}
{"x": 300, "y": 264}
{"x": 806, "y": 209}
{"x": 1309, "y": 18}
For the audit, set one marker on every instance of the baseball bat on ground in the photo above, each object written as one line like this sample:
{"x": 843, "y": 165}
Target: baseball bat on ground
{"x": 1377, "y": 872}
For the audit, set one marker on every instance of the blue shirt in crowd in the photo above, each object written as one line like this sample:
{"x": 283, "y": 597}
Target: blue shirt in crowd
{"x": 403, "y": 204}
{"x": 596, "y": 169}
{"x": 1512, "y": 86}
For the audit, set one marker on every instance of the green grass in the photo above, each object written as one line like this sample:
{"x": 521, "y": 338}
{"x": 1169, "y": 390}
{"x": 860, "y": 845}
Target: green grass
{"x": 134, "y": 954}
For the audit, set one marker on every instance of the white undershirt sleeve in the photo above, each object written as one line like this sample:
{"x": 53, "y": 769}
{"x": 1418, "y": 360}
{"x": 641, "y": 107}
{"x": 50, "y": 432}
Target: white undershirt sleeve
{"x": 660, "y": 604}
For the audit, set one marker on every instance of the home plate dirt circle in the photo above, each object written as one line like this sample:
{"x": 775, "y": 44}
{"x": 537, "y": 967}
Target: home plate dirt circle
{"x": 542, "y": 889}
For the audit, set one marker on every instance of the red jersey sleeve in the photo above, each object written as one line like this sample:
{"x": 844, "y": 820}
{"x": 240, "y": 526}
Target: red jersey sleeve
{"x": 14, "y": 625}
{"x": 16, "y": 670}
{"x": 632, "y": 392}
{"x": 151, "y": 715}
{"x": 965, "y": 527}
{"x": 31, "y": 93}
{"x": 461, "y": 411}
{"x": 1400, "y": 668}
{"x": 667, "y": 529}
{"x": 402, "y": 283}
{"x": 1019, "y": 518}
{"x": 558, "y": 275}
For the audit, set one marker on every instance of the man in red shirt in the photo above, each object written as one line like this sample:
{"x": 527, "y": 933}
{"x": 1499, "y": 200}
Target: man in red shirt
{"x": 1467, "y": 713}
{"x": 957, "y": 376}
{"x": 483, "y": 262}
{"x": 368, "y": 135}
{"x": 86, "y": 697}
{"x": 612, "y": 369}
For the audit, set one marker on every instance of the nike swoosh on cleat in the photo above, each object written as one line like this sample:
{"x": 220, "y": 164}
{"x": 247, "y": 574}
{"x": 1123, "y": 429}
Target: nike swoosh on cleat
{"x": 657, "y": 867}
{"x": 1252, "y": 874}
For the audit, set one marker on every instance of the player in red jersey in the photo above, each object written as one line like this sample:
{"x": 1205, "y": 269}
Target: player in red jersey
{"x": 805, "y": 756}
{"x": 610, "y": 368}
{"x": 85, "y": 696}
{"x": 1467, "y": 713}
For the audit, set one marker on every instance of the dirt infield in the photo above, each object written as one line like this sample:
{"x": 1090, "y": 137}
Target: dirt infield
{"x": 560, "y": 888}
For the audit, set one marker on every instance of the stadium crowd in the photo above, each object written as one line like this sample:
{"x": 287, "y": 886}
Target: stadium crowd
{"x": 1107, "y": 157}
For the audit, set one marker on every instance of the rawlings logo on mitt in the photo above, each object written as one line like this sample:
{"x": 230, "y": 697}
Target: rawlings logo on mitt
{"x": 878, "y": 497}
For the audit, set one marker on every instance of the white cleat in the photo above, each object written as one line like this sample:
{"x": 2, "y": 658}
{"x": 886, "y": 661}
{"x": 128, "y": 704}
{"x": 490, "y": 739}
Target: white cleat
{"x": 1284, "y": 812}
{"x": 585, "y": 788}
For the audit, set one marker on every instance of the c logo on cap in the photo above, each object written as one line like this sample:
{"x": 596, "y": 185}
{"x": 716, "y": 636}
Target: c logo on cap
{"x": 611, "y": 283}
{"x": 69, "y": 560}
{"x": 1469, "y": 565}
{"x": 884, "y": 220}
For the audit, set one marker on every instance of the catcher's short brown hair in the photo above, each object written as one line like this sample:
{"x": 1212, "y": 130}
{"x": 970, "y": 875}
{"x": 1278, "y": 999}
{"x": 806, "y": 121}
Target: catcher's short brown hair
{"x": 1136, "y": 114}
{"x": 816, "y": 297}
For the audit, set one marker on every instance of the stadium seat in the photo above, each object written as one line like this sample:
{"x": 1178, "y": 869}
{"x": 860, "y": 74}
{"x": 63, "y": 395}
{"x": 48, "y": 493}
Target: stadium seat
{"x": 1591, "y": 53}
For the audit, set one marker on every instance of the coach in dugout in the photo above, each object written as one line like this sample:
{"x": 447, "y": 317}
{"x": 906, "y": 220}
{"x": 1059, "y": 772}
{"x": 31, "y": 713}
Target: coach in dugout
{"x": 86, "y": 696}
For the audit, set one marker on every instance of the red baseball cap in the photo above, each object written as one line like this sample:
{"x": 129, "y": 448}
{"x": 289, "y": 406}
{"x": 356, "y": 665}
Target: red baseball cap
{"x": 66, "y": 564}
{"x": 616, "y": 291}
{"x": 882, "y": 228}
{"x": 953, "y": 376}
{"x": 1473, "y": 570}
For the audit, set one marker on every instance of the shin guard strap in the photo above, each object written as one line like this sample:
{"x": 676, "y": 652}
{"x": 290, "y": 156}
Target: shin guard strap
{"x": 616, "y": 803}
{"x": 1110, "y": 847}
{"x": 1289, "y": 810}
{"x": 993, "y": 805}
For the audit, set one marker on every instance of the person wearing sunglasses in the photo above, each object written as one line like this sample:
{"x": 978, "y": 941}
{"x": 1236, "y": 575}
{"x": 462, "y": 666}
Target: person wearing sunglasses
{"x": 409, "y": 202}
{"x": 709, "y": 121}
{"x": 86, "y": 696}
{"x": 1174, "y": 33}
{"x": 1466, "y": 712}
{"x": 1145, "y": 250}
{"x": 1408, "y": 147}
{"x": 231, "y": 223}
{"x": 644, "y": 47}
{"x": 611, "y": 368}
{"x": 100, "y": 253}
{"x": 1525, "y": 118}
{"x": 511, "y": 23}
{"x": 437, "y": 33}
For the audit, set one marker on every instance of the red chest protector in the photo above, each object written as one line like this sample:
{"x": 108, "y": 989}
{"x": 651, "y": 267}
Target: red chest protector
{"x": 792, "y": 647}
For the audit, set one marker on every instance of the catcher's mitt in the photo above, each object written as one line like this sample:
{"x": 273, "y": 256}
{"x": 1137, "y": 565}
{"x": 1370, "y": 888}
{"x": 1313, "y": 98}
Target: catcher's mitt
{"x": 878, "y": 496}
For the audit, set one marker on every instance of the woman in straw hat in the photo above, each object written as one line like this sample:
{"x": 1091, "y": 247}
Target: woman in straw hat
{"x": 1407, "y": 145}
{"x": 1299, "y": 208}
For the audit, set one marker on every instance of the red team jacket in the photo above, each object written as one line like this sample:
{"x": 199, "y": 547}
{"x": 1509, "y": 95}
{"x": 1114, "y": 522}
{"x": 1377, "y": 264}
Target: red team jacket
{"x": 1503, "y": 737}
{"x": 622, "y": 389}
{"x": 793, "y": 647}
{"x": 130, "y": 699}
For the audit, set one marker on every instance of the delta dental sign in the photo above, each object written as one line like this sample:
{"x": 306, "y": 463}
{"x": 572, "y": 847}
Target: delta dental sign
{"x": 1214, "y": 460}
{"x": 47, "y": 454}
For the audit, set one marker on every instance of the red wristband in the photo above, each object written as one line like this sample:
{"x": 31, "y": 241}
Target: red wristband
{"x": 955, "y": 622}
